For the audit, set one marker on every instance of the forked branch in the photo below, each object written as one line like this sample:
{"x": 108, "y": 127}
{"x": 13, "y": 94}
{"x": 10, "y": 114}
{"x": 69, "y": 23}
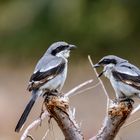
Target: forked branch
{"x": 59, "y": 109}
{"x": 116, "y": 117}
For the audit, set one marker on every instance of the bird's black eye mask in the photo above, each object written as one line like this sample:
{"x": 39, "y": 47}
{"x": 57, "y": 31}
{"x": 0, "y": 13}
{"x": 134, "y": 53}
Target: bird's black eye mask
{"x": 59, "y": 49}
{"x": 107, "y": 61}
{"x": 104, "y": 62}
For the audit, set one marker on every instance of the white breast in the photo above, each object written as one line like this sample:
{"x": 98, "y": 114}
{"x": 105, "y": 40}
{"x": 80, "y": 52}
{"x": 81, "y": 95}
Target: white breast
{"x": 108, "y": 70}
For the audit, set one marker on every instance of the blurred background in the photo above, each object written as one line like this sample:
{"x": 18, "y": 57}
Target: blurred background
{"x": 96, "y": 27}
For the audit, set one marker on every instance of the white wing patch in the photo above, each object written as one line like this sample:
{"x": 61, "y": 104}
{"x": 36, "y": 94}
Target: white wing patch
{"x": 50, "y": 77}
{"x": 43, "y": 69}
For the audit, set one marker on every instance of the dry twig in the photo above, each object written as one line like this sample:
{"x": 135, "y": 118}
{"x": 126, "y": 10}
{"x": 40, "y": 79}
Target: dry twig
{"x": 135, "y": 110}
{"x": 103, "y": 87}
{"x": 132, "y": 113}
{"x": 71, "y": 92}
{"x": 86, "y": 89}
{"x": 131, "y": 123}
{"x": 44, "y": 137}
{"x": 34, "y": 124}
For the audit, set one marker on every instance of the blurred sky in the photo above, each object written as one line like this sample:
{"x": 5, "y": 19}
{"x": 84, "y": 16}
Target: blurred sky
{"x": 96, "y": 27}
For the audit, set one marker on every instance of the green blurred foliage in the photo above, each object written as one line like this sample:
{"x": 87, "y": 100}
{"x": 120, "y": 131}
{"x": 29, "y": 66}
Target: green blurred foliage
{"x": 97, "y": 27}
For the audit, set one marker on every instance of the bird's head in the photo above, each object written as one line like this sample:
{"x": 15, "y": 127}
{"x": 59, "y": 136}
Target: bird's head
{"x": 60, "y": 49}
{"x": 108, "y": 62}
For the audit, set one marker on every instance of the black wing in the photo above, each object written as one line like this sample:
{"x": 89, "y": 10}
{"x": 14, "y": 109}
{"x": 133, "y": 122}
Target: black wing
{"x": 133, "y": 81}
{"x": 40, "y": 78}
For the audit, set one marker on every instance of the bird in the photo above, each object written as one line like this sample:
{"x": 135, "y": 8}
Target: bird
{"x": 124, "y": 76}
{"x": 49, "y": 75}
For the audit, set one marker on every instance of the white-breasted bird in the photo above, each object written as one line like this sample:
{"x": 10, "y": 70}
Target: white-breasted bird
{"x": 124, "y": 77}
{"x": 49, "y": 75}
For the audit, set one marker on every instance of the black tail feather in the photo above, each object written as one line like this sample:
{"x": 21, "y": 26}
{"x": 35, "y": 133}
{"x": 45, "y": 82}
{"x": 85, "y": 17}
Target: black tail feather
{"x": 24, "y": 115}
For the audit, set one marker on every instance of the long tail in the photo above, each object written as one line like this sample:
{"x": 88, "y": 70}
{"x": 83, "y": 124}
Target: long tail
{"x": 25, "y": 113}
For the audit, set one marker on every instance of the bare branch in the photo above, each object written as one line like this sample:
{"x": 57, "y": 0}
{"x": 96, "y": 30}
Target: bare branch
{"x": 59, "y": 109}
{"x": 44, "y": 138}
{"x": 109, "y": 101}
{"x": 131, "y": 123}
{"x": 135, "y": 110}
{"x": 116, "y": 117}
{"x": 91, "y": 62}
{"x": 86, "y": 89}
{"x": 73, "y": 112}
{"x": 61, "y": 103}
{"x": 132, "y": 113}
{"x": 34, "y": 124}
{"x": 71, "y": 92}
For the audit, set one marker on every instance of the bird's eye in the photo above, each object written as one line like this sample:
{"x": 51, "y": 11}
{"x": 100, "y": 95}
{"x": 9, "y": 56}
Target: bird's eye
{"x": 105, "y": 61}
{"x": 59, "y": 49}
{"x": 109, "y": 61}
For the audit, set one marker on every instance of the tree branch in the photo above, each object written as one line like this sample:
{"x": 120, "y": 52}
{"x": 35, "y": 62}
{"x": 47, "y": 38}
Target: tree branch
{"x": 72, "y": 91}
{"x": 59, "y": 109}
{"x": 115, "y": 118}
{"x": 34, "y": 124}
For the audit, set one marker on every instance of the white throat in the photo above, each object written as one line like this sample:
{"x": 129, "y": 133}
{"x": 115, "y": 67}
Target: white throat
{"x": 108, "y": 70}
{"x": 64, "y": 54}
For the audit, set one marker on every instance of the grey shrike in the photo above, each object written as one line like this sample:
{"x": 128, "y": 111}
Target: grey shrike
{"x": 124, "y": 77}
{"x": 49, "y": 75}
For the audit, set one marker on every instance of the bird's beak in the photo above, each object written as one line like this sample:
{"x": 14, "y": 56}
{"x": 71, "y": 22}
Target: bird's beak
{"x": 101, "y": 74}
{"x": 71, "y": 47}
{"x": 96, "y": 65}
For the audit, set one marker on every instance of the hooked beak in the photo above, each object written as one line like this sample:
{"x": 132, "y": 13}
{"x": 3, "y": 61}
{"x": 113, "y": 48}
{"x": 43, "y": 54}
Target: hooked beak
{"x": 96, "y": 65}
{"x": 71, "y": 47}
{"x": 101, "y": 74}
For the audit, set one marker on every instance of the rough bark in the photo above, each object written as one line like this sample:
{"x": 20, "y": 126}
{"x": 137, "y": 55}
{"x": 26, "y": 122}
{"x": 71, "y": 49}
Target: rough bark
{"x": 116, "y": 117}
{"x": 59, "y": 109}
